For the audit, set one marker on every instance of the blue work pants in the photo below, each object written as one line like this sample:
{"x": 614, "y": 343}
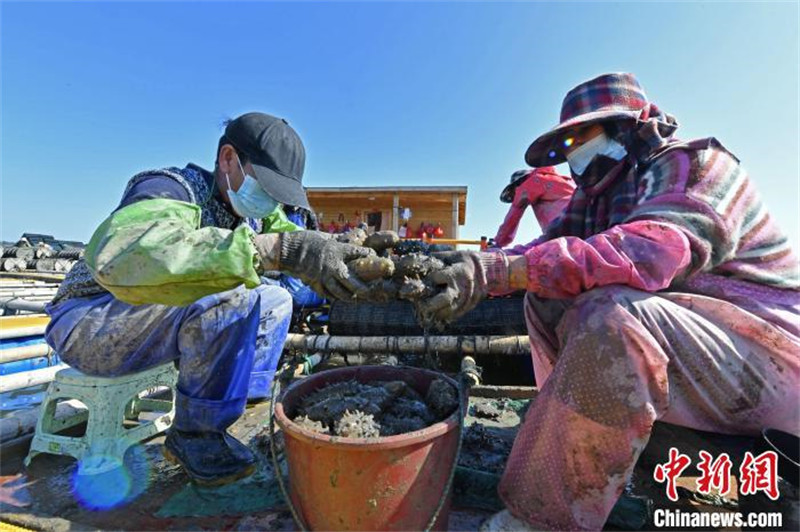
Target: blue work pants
{"x": 228, "y": 346}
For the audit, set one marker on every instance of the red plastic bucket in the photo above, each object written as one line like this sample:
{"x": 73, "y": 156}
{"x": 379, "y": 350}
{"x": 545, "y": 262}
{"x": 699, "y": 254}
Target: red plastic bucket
{"x": 388, "y": 483}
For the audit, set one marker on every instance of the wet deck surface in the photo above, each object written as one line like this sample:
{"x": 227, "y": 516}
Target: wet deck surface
{"x": 46, "y": 495}
{"x": 49, "y": 488}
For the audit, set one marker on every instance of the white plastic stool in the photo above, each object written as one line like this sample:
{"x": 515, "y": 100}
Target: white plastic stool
{"x": 110, "y": 402}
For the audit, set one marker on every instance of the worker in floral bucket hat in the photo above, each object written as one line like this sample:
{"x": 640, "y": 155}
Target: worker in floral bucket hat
{"x": 544, "y": 190}
{"x": 664, "y": 292}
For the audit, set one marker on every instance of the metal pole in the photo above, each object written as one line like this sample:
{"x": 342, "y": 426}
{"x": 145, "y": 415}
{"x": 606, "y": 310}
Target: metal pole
{"x": 398, "y": 345}
{"x": 26, "y": 379}
{"x": 33, "y": 291}
{"x": 395, "y": 212}
{"x": 33, "y": 276}
{"x": 22, "y": 304}
{"x": 23, "y": 422}
{"x": 21, "y": 332}
{"x": 454, "y": 233}
{"x": 429, "y": 240}
{"x": 24, "y": 353}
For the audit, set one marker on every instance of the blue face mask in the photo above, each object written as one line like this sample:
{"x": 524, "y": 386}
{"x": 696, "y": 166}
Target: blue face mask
{"x": 583, "y": 155}
{"x": 250, "y": 201}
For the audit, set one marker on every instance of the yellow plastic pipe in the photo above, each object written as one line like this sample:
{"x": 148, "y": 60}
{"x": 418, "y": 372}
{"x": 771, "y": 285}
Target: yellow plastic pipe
{"x": 455, "y": 241}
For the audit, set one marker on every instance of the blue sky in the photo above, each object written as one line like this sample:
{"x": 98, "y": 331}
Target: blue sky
{"x": 447, "y": 93}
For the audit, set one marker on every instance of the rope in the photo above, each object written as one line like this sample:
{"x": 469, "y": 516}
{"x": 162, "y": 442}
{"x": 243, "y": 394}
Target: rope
{"x": 453, "y": 466}
{"x": 327, "y": 344}
{"x": 273, "y": 452}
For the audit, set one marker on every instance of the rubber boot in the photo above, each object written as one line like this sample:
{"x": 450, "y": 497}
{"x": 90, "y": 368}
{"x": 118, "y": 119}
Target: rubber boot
{"x": 209, "y": 458}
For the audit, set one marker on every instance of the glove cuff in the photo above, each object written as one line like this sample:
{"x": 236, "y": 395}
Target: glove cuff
{"x": 291, "y": 246}
{"x": 267, "y": 251}
{"x": 495, "y": 267}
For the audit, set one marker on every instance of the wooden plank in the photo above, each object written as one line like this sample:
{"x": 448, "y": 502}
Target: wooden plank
{"x": 390, "y": 189}
{"x": 395, "y": 213}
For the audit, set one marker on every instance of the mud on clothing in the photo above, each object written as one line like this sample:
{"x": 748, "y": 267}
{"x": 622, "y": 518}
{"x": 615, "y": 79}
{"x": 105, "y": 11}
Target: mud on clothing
{"x": 228, "y": 345}
{"x": 172, "y": 254}
{"x": 664, "y": 292}
{"x": 614, "y": 360}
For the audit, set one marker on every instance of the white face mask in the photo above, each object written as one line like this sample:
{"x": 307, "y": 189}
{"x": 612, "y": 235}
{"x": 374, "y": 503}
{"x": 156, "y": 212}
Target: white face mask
{"x": 250, "y": 201}
{"x": 582, "y": 156}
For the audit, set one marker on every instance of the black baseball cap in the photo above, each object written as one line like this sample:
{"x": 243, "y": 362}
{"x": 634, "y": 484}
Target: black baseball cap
{"x": 276, "y": 153}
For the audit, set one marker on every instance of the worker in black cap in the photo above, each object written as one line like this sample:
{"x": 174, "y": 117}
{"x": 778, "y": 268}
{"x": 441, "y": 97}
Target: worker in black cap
{"x": 173, "y": 274}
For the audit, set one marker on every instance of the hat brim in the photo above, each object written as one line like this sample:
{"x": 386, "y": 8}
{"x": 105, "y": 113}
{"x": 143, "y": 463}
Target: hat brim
{"x": 283, "y": 189}
{"x": 507, "y": 195}
{"x": 538, "y": 153}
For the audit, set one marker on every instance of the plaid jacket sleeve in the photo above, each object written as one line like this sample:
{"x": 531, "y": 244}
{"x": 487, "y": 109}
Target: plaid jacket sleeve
{"x": 645, "y": 254}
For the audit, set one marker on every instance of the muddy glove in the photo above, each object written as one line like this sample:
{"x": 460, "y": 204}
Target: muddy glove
{"x": 458, "y": 287}
{"x": 321, "y": 263}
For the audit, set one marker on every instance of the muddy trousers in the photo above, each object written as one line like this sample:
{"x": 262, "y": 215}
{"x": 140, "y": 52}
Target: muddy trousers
{"x": 227, "y": 346}
{"x": 614, "y": 360}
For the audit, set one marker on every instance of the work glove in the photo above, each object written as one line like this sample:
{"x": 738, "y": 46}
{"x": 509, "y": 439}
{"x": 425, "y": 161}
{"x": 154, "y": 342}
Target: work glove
{"x": 458, "y": 287}
{"x": 321, "y": 262}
